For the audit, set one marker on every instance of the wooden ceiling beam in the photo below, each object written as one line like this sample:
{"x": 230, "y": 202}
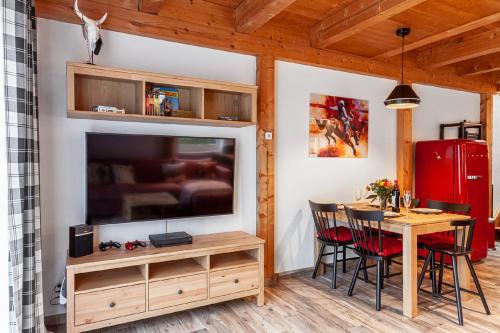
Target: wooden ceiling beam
{"x": 195, "y": 33}
{"x": 150, "y": 6}
{"x": 442, "y": 35}
{"x": 461, "y": 49}
{"x": 355, "y": 17}
{"x": 250, "y": 15}
{"x": 482, "y": 65}
{"x": 491, "y": 77}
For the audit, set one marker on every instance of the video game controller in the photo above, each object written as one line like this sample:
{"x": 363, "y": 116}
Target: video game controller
{"x": 133, "y": 245}
{"x": 104, "y": 246}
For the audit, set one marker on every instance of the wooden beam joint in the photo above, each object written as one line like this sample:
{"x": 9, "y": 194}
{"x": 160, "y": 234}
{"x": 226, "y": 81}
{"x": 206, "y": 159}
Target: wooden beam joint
{"x": 460, "y": 49}
{"x": 253, "y": 14}
{"x": 355, "y": 17}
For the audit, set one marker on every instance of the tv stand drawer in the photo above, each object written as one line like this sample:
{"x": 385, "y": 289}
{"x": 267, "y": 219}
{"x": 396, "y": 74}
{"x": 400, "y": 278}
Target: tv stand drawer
{"x": 108, "y": 304}
{"x": 233, "y": 280}
{"x": 170, "y": 292}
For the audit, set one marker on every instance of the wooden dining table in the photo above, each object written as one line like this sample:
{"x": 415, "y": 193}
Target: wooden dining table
{"x": 410, "y": 227}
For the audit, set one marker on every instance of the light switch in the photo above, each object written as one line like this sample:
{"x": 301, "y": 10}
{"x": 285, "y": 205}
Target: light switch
{"x": 268, "y": 135}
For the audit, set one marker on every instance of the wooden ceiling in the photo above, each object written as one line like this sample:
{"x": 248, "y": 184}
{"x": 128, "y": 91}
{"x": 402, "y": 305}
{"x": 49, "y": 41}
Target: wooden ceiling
{"x": 454, "y": 43}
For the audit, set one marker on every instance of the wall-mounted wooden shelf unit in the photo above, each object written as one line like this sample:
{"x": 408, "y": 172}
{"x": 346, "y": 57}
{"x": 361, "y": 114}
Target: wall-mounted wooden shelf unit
{"x": 201, "y": 102}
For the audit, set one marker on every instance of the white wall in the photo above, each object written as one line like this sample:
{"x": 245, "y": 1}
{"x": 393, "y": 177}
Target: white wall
{"x": 62, "y": 139}
{"x": 496, "y": 154}
{"x": 439, "y": 106}
{"x": 300, "y": 178}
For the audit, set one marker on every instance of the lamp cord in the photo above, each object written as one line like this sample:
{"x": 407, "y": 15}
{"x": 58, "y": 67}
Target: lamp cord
{"x": 402, "y": 60}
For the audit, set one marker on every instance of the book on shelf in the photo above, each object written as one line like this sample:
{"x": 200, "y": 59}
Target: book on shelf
{"x": 162, "y": 101}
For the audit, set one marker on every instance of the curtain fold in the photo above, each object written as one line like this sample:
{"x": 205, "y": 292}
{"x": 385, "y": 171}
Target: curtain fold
{"x": 21, "y": 107}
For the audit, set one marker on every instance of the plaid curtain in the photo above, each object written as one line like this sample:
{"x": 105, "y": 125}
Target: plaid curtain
{"x": 21, "y": 106}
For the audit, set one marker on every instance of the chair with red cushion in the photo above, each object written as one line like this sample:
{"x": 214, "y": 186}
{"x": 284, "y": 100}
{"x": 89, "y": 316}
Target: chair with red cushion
{"x": 329, "y": 234}
{"x": 445, "y": 237}
{"x": 370, "y": 243}
{"x": 458, "y": 248}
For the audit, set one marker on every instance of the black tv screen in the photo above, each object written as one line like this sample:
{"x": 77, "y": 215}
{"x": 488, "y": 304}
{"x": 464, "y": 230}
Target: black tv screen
{"x": 147, "y": 177}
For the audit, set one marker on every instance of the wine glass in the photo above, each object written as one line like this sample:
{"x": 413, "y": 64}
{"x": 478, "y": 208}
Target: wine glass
{"x": 407, "y": 201}
{"x": 359, "y": 195}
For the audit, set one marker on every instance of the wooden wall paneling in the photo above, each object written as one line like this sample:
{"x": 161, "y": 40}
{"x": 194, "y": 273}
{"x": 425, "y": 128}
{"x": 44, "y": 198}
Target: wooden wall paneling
{"x": 404, "y": 149}
{"x": 442, "y": 35}
{"x": 486, "y": 116}
{"x": 356, "y": 17}
{"x": 195, "y": 33}
{"x": 265, "y": 158}
{"x": 465, "y": 48}
{"x": 250, "y": 15}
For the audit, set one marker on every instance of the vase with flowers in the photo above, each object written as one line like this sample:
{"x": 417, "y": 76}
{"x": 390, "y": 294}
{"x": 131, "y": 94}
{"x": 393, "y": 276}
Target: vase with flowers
{"x": 381, "y": 189}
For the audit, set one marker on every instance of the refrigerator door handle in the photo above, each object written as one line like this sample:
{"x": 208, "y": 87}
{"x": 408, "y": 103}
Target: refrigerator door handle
{"x": 474, "y": 177}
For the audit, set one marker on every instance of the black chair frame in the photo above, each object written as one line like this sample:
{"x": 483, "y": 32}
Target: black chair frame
{"x": 324, "y": 216}
{"x": 362, "y": 229}
{"x": 454, "y": 208}
{"x": 461, "y": 247}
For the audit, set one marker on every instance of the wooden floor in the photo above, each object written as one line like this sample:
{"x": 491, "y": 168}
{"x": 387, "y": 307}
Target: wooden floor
{"x": 299, "y": 304}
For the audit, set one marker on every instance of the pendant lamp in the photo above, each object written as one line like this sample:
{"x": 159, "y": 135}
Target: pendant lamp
{"x": 403, "y": 96}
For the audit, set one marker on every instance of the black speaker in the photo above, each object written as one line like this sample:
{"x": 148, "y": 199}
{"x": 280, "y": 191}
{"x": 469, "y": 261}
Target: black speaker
{"x": 81, "y": 240}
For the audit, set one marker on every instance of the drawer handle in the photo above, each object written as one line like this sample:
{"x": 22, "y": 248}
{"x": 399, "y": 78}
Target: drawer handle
{"x": 112, "y": 304}
{"x": 236, "y": 280}
{"x": 179, "y": 292}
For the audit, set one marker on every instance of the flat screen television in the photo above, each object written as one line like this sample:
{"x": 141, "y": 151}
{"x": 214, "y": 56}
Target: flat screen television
{"x": 148, "y": 177}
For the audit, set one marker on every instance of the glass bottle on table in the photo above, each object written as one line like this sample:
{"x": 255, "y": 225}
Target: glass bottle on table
{"x": 395, "y": 197}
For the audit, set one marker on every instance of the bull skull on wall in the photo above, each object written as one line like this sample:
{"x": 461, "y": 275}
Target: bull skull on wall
{"x": 91, "y": 33}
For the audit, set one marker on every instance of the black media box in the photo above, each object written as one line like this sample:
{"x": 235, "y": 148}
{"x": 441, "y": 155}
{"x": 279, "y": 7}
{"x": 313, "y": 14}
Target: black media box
{"x": 81, "y": 240}
{"x": 170, "y": 239}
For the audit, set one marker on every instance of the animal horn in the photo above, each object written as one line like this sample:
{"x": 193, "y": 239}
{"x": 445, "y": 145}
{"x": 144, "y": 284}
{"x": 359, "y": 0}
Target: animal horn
{"x": 80, "y": 14}
{"x": 102, "y": 19}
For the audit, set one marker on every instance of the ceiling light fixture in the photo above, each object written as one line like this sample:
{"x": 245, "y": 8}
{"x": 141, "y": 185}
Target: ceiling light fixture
{"x": 403, "y": 96}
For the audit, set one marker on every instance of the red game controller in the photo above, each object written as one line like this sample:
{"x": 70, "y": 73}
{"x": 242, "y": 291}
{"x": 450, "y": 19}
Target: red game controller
{"x": 133, "y": 245}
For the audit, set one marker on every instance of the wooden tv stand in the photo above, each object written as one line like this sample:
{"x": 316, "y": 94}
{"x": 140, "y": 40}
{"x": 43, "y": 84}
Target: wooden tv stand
{"x": 119, "y": 286}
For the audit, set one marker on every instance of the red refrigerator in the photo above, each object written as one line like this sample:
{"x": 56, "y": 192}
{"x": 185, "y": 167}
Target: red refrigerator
{"x": 457, "y": 171}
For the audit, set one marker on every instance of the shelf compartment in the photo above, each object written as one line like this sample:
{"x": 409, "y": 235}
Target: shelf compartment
{"x": 190, "y": 101}
{"x": 231, "y": 260}
{"x": 227, "y": 104}
{"x": 111, "y": 278}
{"x": 176, "y": 268}
{"x": 90, "y": 91}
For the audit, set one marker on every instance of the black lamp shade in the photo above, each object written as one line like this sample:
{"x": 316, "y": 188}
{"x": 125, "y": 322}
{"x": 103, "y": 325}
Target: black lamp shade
{"x": 402, "y": 97}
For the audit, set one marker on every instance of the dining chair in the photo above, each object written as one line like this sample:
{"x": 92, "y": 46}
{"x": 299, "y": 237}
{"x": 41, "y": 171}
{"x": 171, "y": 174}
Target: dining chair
{"x": 328, "y": 233}
{"x": 459, "y": 248}
{"x": 440, "y": 237}
{"x": 370, "y": 243}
